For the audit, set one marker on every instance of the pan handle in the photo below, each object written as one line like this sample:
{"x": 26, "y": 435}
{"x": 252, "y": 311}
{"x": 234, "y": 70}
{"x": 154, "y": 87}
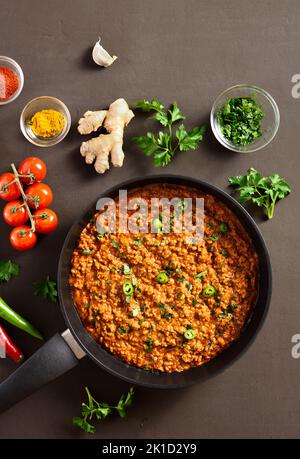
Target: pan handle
{"x": 54, "y": 358}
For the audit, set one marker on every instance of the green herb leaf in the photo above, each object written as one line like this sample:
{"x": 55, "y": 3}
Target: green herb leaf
{"x": 261, "y": 191}
{"x": 189, "y": 140}
{"x": 115, "y": 244}
{"x": 214, "y": 237}
{"x": 84, "y": 425}
{"x": 8, "y": 269}
{"x": 100, "y": 411}
{"x": 148, "y": 106}
{"x": 162, "y": 147}
{"x": 149, "y": 344}
{"x": 46, "y": 289}
{"x": 123, "y": 330}
{"x": 138, "y": 242}
{"x": 162, "y": 117}
{"x": 201, "y": 274}
{"x": 175, "y": 114}
{"x": 125, "y": 402}
{"x": 240, "y": 120}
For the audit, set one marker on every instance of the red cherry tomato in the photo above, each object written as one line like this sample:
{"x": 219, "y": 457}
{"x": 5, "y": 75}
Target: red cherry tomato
{"x": 23, "y": 238}
{"x": 14, "y": 213}
{"x": 45, "y": 221}
{"x": 34, "y": 166}
{"x": 8, "y": 192}
{"x": 39, "y": 196}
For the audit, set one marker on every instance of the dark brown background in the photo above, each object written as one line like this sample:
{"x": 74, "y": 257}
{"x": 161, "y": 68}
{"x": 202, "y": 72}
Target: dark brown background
{"x": 186, "y": 51}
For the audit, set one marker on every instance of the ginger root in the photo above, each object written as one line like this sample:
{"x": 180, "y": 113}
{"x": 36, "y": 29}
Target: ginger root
{"x": 98, "y": 149}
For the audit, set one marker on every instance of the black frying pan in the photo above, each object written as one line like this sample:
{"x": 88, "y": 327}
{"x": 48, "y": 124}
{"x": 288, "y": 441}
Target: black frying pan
{"x": 62, "y": 352}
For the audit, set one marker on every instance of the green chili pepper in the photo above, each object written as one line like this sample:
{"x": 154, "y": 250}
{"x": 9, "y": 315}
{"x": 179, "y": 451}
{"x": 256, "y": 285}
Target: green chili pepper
{"x": 190, "y": 334}
{"x": 223, "y": 227}
{"x": 15, "y": 319}
{"x": 209, "y": 291}
{"x": 162, "y": 278}
{"x": 128, "y": 288}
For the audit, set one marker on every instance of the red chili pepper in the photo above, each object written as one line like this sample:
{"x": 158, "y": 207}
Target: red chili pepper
{"x": 10, "y": 349}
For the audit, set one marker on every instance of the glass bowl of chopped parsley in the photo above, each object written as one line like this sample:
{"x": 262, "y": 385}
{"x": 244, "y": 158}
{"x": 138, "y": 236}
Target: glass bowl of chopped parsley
{"x": 244, "y": 118}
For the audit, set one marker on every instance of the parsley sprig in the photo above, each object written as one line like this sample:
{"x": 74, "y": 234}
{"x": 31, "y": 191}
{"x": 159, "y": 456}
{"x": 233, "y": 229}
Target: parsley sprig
{"x": 163, "y": 145}
{"x": 260, "y": 190}
{"x": 47, "y": 289}
{"x": 8, "y": 269}
{"x": 100, "y": 410}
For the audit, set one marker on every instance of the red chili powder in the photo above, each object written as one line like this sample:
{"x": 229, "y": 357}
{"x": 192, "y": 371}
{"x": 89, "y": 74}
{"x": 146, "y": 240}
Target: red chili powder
{"x": 9, "y": 83}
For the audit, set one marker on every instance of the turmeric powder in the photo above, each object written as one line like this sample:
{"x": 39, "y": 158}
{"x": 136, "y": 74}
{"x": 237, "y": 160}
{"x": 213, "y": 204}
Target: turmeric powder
{"x": 47, "y": 123}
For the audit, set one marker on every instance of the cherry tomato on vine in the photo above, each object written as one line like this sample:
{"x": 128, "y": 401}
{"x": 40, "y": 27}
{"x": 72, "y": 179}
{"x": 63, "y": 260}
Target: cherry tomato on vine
{"x": 34, "y": 167}
{"x": 45, "y": 221}
{"x": 9, "y": 192}
{"x": 23, "y": 238}
{"x": 39, "y": 196}
{"x": 14, "y": 213}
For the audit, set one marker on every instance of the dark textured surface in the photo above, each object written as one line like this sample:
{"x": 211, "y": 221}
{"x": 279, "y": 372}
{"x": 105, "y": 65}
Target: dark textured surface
{"x": 173, "y": 50}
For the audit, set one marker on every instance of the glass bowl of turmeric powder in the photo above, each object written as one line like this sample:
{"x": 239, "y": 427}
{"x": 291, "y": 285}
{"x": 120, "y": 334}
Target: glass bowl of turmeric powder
{"x": 45, "y": 121}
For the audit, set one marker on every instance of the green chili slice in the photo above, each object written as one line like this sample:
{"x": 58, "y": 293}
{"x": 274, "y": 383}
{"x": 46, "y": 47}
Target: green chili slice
{"x": 190, "y": 334}
{"x": 162, "y": 277}
{"x": 209, "y": 291}
{"x": 128, "y": 288}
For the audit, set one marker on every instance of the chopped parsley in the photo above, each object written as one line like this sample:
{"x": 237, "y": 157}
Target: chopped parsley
{"x": 149, "y": 344}
{"x": 223, "y": 228}
{"x": 123, "y": 330}
{"x": 240, "y": 120}
{"x": 138, "y": 242}
{"x": 214, "y": 237}
{"x": 115, "y": 244}
{"x": 228, "y": 312}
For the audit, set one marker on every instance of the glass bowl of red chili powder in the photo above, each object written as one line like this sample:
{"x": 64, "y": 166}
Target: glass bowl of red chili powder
{"x": 11, "y": 80}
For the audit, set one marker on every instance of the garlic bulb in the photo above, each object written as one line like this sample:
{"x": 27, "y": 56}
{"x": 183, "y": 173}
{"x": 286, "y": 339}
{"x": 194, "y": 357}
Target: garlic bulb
{"x": 101, "y": 56}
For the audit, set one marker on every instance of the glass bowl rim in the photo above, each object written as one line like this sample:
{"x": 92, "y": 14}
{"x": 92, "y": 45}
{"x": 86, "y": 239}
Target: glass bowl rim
{"x": 247, "y": 149}
{"x": 51, "y": 141}
{"x": 20, "y": 78}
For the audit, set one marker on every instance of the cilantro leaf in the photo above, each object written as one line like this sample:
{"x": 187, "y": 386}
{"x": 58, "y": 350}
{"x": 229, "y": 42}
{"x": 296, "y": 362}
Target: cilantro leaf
{"x": 8, "y": 269}
{"x": 261, "y": 191}
{"x": 47, "y": 289}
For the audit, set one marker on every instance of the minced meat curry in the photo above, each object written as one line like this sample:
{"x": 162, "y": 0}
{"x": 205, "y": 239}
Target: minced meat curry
{"x": 158, "y": 302}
